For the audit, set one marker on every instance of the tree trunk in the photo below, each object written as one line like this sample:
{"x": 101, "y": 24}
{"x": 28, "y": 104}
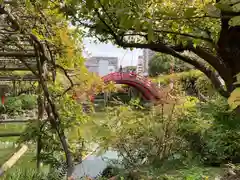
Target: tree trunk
{"x": 40, "y": 117}
{"x": 229, "y": 49}
{"x": 51, "y": 109}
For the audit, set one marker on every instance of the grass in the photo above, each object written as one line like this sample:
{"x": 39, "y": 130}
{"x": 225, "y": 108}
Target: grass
{"x": 194, "y": 173}
{"x": 11, "y": 128}
{"x": 7, "y": 150}
{"x": 27, "y": 161}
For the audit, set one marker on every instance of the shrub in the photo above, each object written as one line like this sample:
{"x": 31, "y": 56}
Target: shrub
{"x": 13, "y": 104}
{"x": 18, "y": 104}
{"x": 28, "y": 101}
{"x": 24, "y": 174}
{"x": 140, "y": 137}
{"x": 32, "y": 174}
{"x": 192, "y": 82}
{"x": 213, "y": 132}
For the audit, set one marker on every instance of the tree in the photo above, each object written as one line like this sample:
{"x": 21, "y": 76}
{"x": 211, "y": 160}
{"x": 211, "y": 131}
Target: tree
{"x": 162, "y": 63}
{"x": 209, "y": 30}
{"x": 129, "y": 68}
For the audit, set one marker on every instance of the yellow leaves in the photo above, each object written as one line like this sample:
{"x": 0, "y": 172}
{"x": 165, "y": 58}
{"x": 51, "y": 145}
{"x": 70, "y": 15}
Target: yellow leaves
{"x": 234, "y": 99}
{"x": 110, "y": 87}
{"x": 190, "y": 101}
{"x": 69, "y": 46}
{"x": 234, "y": 21}
{"x": 37, "y": 34}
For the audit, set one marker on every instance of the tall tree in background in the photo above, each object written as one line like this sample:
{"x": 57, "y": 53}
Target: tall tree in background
{"x": 209, "y": 29}
{"x": 162, "y": 63}
{"x": 129, "y": 68}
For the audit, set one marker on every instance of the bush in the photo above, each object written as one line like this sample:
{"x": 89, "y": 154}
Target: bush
{"x": 171, "y": 137}
{"x": 28, "y": 101}
{"x": 213, "y": 132}
{"x": 141, "y": 137}
{"x": 13, "y": 104}
{"x": 192, "y": 82}
{"x": 18, "y": 104}
{"x": 32, "y": 174}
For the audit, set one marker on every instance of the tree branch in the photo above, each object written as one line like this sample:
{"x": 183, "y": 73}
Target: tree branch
{"x": 216, "y": 62}
{"x": 160, "y": 47}
{"x": 207, "y": 39}
{"x": 164, "y": 49}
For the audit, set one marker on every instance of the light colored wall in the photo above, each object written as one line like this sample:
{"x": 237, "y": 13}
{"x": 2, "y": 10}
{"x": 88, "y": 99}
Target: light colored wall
{"x": 112, "y": 69}
{"x": 102, "y": 65}
{"x": 103, "y": 68}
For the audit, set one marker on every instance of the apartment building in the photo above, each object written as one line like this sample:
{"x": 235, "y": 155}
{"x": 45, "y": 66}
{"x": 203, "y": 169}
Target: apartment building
{"x": 140, "y": 65}
{"x": 147, "y": 56}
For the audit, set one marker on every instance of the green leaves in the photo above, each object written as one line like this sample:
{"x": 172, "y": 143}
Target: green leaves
{"x": 229, "y": 2}
{"x": 235, "y": 21}
{"x": 236, "y": 7}
{"x": 229, "y": 5}
{"x": 212, "y": 10}
{"x": 137, "y": 24}
{"x": 190, "y": 12}
{"x": 90, "y": 4}
{"x": 124, "y": 21}
{"x": 150, "y": 32}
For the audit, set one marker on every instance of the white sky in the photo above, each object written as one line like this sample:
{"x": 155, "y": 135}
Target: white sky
{"x": 125, "y": 57}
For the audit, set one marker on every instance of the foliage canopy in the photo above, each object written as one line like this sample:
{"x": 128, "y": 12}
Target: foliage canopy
{"x": 208, "y": 30}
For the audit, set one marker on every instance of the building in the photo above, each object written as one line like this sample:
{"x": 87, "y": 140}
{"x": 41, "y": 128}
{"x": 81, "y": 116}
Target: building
{"x": 140, "y": 65}
{"x": 147, "y": 56}
{"x": 102, "y": 65}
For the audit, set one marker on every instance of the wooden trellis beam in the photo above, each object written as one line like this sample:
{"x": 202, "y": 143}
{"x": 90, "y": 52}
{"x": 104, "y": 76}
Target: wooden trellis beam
{"x": 19, "y": 78}
{"x": 14, "y": 158}
{"x": 16, "y": 68}
{"x": 10, "y": 134}
{"x": 17, "y": 54}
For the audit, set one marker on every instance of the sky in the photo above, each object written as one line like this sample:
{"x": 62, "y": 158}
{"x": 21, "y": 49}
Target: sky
{"x": 125, "y": 57}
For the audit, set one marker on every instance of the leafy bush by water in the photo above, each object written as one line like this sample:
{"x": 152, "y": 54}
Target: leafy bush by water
{"x": 213, "y": 132}
{"x": 172, "y": 138}
{"x": 141, "y": 137}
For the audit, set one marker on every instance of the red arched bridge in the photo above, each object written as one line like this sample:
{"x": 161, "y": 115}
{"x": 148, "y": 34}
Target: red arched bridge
{"x": 142, "y": 84}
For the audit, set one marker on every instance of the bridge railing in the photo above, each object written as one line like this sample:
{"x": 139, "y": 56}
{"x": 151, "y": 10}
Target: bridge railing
{"x": 122, "y": 76}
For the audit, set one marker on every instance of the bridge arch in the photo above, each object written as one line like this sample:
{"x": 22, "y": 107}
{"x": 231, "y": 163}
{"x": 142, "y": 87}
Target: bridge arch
{"x": 142, "y": 84}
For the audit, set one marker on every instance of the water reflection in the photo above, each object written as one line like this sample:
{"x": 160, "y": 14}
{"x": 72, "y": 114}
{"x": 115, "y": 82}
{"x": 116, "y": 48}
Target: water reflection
{"x": 92, "y": 166}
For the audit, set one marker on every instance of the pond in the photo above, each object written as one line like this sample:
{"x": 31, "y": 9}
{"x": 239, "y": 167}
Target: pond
{"x": 92, "y": 166}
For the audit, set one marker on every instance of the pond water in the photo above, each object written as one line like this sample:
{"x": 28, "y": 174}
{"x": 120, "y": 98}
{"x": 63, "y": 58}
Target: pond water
{"x": 92, "y": 166}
